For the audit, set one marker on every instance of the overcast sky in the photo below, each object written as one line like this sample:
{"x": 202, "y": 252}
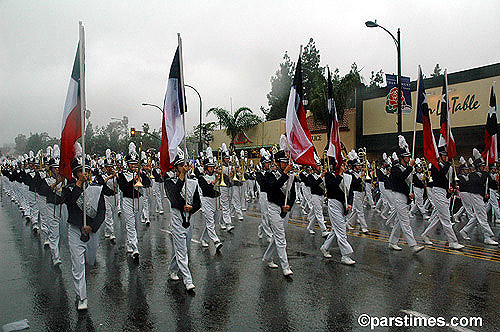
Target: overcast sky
{"x": 231, "y": 49}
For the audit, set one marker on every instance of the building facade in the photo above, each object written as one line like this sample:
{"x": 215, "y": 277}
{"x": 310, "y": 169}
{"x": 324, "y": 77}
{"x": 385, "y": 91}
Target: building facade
{"x": 469, "y": 93}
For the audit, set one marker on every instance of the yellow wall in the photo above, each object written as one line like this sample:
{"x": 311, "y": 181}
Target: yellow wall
{"x": 377, "y": 121}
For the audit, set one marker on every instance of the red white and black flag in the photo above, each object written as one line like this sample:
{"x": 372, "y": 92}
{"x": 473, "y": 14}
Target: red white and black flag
{"x": 297, "y": 133}
{"x": 491, "y": 131}
{"x": 430, "y": 148}
{"x": 172, "y": 129}
{"x": 334, "y": 146}
{"x": 71, "y": 129}
{"x": 446, "y": 137}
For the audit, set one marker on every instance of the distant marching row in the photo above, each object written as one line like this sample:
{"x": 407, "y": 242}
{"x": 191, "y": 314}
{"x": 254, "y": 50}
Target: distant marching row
{"x": 133, "y": 187}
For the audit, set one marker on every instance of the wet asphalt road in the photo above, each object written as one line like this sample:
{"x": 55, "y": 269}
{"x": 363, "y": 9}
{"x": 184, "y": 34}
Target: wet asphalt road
{"x": 235, "y": 291}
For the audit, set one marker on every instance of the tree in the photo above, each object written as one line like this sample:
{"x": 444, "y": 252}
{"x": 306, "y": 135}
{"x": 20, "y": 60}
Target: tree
{"x": 376, "y": 79}
{"x": 281, "y": 82}
{"x": 242, "y": 120}
{"x": 21, "y": 141}
{"x": 344, "y": 90}
{"x": 437, "y": 71}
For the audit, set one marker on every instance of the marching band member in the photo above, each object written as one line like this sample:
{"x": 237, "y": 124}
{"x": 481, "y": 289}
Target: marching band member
{"x": 109, "y": 183}
{"x": 441, "y": 192}
{"x": 478, "y": 181}
{"x": 146, "y": 190}
{"x": 158, "y": 188}
{"x": 182, "y": 208}
{"x": 357, "y": 213}
{"x": 418, "y": 190}
{"x": 340, "y": 198}
{"x": 236, "y": 189}
{"x": 315, "y": 182}
{"x": 260, "y": 176}
{"x": 281, "y": 195}
{"x": 207, "y": 182}
{"x": 400, "y": 175}
{"x": 225, "y": 198}
{"x": 51, "y": 188}
{"x": 132, "y": 202}
{"x": 82, "y": 239}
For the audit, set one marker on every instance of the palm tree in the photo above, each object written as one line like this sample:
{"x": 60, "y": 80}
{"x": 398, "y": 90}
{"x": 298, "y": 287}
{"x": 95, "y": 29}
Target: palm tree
{"x": 242, "y": 120}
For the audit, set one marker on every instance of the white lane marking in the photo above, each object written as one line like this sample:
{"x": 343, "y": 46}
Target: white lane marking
{"x": 455, "y": 328}
{"x": 169, "y": 232}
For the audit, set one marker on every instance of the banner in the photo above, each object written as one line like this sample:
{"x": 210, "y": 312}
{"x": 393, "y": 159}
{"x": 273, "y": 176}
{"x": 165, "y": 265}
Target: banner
{"x": 391, "y": 104}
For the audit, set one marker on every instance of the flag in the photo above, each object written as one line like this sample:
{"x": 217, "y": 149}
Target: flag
{"x": 72, "y": 119}
{"x": 491, "y": 130}
{"x": 334, "y": 146}
{"x": 297, "y": 133}
{"x": 446, "y": 137}
{"x": 172, "y": 128}
{"x": 430, "y": 149}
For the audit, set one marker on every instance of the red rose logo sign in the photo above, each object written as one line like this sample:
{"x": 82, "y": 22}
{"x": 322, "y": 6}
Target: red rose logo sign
{"x": 391, "y": 104}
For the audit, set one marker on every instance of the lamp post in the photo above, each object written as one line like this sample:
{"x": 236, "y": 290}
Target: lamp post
{"x": 397, "y": 41}
{"x": 200, "y": 144}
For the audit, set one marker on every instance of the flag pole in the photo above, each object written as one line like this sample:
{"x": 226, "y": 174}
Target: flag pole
{"x": 183, "y": 102}
{"x": 289, "y": 150}
{"x": 415, "y": 128}
{"x": 83, "y": 107}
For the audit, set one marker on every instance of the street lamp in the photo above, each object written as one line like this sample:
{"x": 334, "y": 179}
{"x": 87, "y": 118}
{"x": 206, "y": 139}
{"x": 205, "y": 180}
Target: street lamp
{"x": 200, "y": 144}
{"x": 158, "y": 107}
{"x": 397, "y": 41}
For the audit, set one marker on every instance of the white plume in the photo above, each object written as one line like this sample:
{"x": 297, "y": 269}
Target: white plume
{"x": 251, "y": 162}
{"x": 402, "y": 142}
{"x": 32, "y": 154}
{"x": 316, "y": 159}
{"x": 108, "y": 154}
{"x": 143, "y": 155}
{"x": 56, "y": 153}
{"x": 462, "y": 161}
{"x": 384, "y": 156}
{"x": 471, "y": 161}
{"x": 476, "y": 154}
{"x": 209, "y": 152}
{"x": 242, "y": 154}
{"x": 101, "y": 162}
{"x": 352, "y": 155}
{"x": 394, "y": 156}
{"x": 131, "y": 149}
{"x": 180, "y": 153}
{"x": 283, "y": 143}
{"x": 119, "y": 157}
{"x": 25, "y": 156}
{"x": 224, "y": 147}
{"x": 262, "y": 152}
{"x": 78, "y": 149}
{"x": 49, "y": 150}
{"x": 417, "y": 161}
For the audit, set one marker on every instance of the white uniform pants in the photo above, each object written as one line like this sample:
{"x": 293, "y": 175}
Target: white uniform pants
{"x": 402, "y": 221}
{"x": 493, "y": 204}
{"x": 110, "y": 215}
{"x": 382, "y": 202}
{"x": 419, "y": 201}
{"x": 316, "y": 213}
{"x": 368, "y": 192}
{"x": 236, "y": 202}
{"x": 389, "y": 208}
{"x": 357, "y": 212}
{"x": 441, "y": 213}
{"x": 81, "y": 252}
{"x": 131, "y": 214}
{"x": 181, "y": 240}
{"x": 264, "y": 211}
{"x": 209, "y": 211}
{"x": 278, "y": 241}
{"x": 158, "y": 195}
{"x": 53, "y": 219}
{"x": 225, "y": 201}
{"x": 145, "y": 203}
{"x": 336, "y": 213}
{"x": 480, "y": 217}
{"x": 33, "y": 206}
